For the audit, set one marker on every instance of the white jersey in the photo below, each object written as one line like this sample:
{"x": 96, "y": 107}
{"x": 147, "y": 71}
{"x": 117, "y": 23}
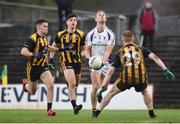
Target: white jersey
{"x": 99, "y": 40}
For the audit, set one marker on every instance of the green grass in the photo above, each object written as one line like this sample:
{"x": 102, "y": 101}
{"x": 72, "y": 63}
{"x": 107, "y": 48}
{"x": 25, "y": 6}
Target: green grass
{"x": 107, "y": 116}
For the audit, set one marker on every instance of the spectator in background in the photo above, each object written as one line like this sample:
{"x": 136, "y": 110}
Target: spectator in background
{"x": 147, "y": 24}
{"x": 64, "y": 9}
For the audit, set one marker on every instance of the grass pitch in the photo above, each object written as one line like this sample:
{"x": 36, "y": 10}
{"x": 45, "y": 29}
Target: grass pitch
{"x": 107, "y": 116}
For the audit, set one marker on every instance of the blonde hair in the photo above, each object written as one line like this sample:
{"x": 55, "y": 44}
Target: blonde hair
{"x": 128, "y": 36}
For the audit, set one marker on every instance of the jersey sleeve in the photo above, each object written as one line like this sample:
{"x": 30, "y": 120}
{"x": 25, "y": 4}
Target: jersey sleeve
{"x": 30, "y": 44}
{"x": 111, "y": 38}
{"x": 116, "y": 60}
{"x": 88, "y": 39}
{"x": 146, "y": 52}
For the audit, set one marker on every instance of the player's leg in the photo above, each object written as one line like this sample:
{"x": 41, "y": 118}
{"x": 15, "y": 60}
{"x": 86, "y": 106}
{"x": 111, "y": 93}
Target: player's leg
{"x": 71, "y": 80}
{"x": 30, "y": 84}
{"x": 78, "y": 107}
{"x": 78, "y": 78}
{"x": 101, "y": 90}
{"x": 149, "y": 103}
{"x": 114, "y": 90}
{"x": 95, "y": 78}
{"x": 106, "y": 70}
{"x": 77, "y": 71}
{"x": 48, "y": 80}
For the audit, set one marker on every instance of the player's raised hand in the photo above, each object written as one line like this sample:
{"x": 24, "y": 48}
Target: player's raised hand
{"x": 169, "y": 74}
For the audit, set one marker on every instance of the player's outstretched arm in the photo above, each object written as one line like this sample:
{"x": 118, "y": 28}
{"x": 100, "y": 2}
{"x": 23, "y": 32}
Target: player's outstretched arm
{"x": 158, "y": 61}
{"x": 25, "y": 52}
{"x": 52, "y": 49}
{"x": 169, "y": 74}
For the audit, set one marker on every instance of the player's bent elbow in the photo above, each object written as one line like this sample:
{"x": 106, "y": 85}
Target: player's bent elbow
{"x": 23, "y": 51}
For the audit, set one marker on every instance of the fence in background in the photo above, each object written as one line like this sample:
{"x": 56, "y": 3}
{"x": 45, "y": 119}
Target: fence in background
{"x": 15, "y": 13}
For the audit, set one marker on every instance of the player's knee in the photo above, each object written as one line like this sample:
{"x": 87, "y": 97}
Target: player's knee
{"x": 33, "y": 91}
{"x": 50, "y": 81}
{"x": 95, "y": 87}
{"x": 72, "y": 85}
{"x": 50, "y": 85}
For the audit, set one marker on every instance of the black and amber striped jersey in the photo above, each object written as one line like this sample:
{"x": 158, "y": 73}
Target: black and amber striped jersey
{"x": 131, "y": 59}
{"x": 35, "y": 43}
{"x": 70, "y": 45}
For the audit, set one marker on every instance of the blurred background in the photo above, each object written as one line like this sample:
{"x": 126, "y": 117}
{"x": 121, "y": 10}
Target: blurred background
{"x": 17, "y": 23}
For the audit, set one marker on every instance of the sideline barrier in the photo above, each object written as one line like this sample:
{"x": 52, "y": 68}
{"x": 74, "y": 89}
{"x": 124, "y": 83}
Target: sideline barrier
{"x": 14, "y": 97}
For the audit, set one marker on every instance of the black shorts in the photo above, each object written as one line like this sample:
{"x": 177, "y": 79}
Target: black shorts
{"x": 34, "y": 72}
{"x": 75, "y": 66}
{"x": 138, "y": 87}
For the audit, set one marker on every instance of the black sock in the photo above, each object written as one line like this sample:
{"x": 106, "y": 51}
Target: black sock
{"x": 151, "y": 112}
{"x": 97, "y": 112}
{"x": 73, "y": 102}
{"x": 49, "y": 106}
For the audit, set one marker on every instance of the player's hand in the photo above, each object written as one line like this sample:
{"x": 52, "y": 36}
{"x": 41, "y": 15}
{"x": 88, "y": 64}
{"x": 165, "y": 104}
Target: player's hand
{"x": 104, "y": 63}
{"x": 38, "y": 55}
{"x": 61, "y": 50}
{"x": 169, "y": 74}
{"x": 51, "y": 64}
{"x": 66, "y": 48}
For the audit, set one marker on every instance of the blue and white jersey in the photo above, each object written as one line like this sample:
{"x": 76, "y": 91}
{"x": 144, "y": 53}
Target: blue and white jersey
{"x": 99, "y": 40}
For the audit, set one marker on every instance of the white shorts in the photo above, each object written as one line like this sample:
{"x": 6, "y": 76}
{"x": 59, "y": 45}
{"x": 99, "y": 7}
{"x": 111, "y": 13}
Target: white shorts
{"x": 103, "y": 70}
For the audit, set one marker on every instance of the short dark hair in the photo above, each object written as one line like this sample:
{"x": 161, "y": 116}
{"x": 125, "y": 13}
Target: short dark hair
{"x": 71, "y": 16}
{"x": 40, "y": 21}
